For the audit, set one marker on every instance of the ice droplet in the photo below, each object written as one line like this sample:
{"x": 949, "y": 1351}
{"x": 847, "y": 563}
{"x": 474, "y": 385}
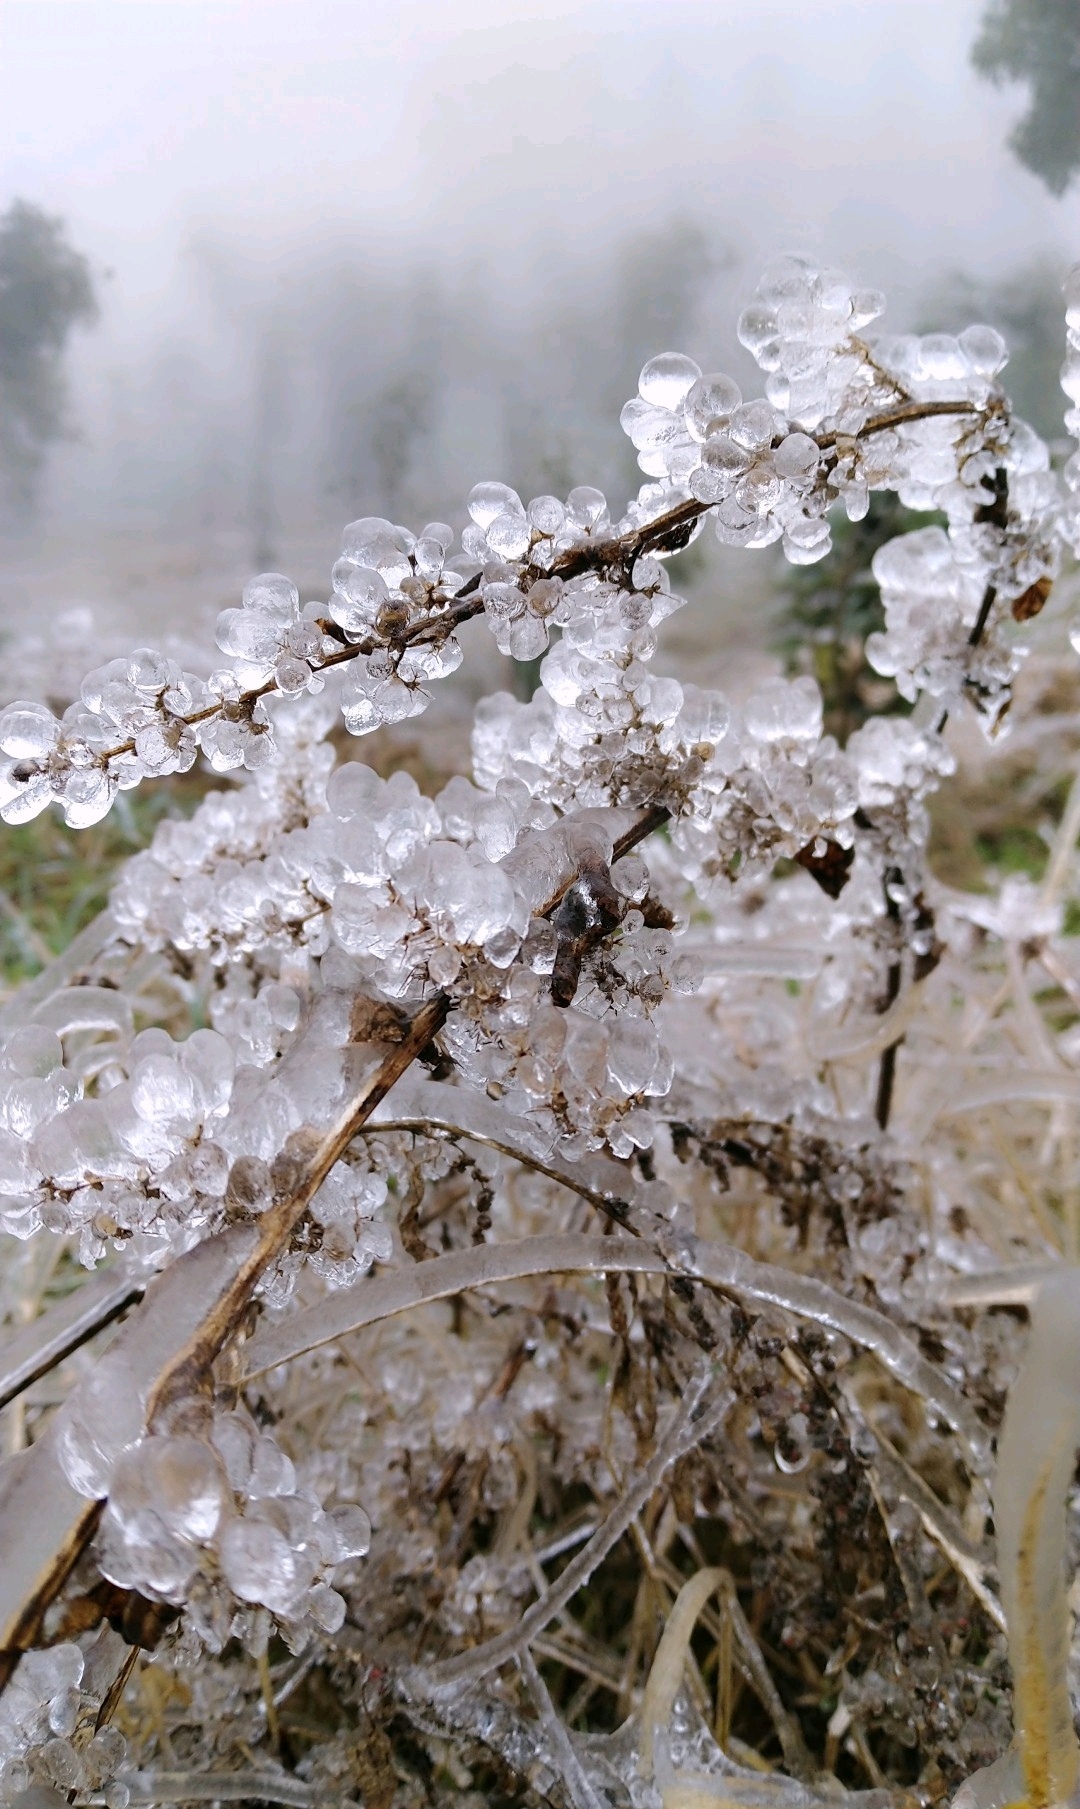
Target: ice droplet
{"x": 486, "y": 501}
{"x": 711, "y": 403}
{"x": 260, "y": 1566}
{"x": 178, "y": 1479}
{"x": 665, "y": 380}
{"x": 27, "y": 730}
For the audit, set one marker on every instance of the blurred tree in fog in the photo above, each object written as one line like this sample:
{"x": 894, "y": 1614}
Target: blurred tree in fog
{"x": 269, "y": 428}
{"x": 1038, "y": 42}
{"x": 45, "y": 288}
{"x": 563, "y": 390}
{"x": 1026, "y": 308}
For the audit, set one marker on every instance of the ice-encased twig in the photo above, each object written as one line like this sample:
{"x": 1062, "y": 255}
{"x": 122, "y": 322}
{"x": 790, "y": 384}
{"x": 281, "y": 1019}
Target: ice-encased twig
{"x": 720, "y": 1265}
{"x": 576, "y": 1782}
{"x": 149, "y": 1787}
{"x": 163, "y": 1355}
{"x": 417, "y": 1104}
{"x": 38, "y": 1347}
{"x": 724, "y": 1266}
{"x": 666, "y": 1672}
{"x": 688, "y": 1428}
{"x": 1015, "y": 1286}
{"x": 350, "y": 1309}
{"x": 939, "y": 1523}
{"x": 1036, "y": 1460}
{"x": 49, "y": 1495}
{"x": 380, "y": 1297}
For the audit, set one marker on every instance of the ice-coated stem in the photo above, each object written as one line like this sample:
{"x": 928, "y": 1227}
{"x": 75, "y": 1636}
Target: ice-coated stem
{"x": 44, "y": 1523}
{"x": 578, "y": 1788}
{"x": 615, "y": 556}
{"x": 687, "y": 1429}
{"x": 666, "y": 1672}
{"x": 1036, "y": 1460}
{"x": 47, "y": 1340}
{"x": 149, "y": 1787}
{"x": 377, "y": 1298}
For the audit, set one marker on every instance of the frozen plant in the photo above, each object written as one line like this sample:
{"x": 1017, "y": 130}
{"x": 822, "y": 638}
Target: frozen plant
{"x": 542, "y": 1205}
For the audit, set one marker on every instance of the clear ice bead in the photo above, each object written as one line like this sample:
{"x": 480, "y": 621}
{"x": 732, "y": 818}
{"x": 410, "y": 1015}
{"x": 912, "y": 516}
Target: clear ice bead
{"x": 272, "y": 594}
{"x": 178, "y": 1479}
{"x": 710, "y": 404}
{"x": 259, "y": 1565}
{"x": 487, "y": 501}
{"x": 27, "y": 731}
{"x": 666, "y": 380}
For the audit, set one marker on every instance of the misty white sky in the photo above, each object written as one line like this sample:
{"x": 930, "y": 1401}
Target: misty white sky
{"x": 853, "y": 128}
{"x": 221, "y": 158}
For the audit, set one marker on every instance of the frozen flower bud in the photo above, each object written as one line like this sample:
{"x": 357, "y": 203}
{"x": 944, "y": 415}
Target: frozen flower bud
{"x": 429, "y": 555}
{"x": 249, "y": 1187}
{"x": 180, "y": 1480}
{"x": 87, "y": 797}
{"x": 866, "y": 305}
{"x": 509, "y": 535}
{"x": 249, "y": 635}
{"x": 28, "y": 731}
{"x": 359, "y": 594}
{"x": 760, "y": 490}
{"x": 630, "y": 876}
{"x": 350, "y": 1532}
{"x": 260, "y": 1565}
{"x": 273, "y": 595}
{"x": 940, "y": 359}
{"x": 782, "y": 710}
{"x": 757, "y": 330}
{"x": 754, "y": 425}
{"x": 291, "y": 675}
{"x": 547, "y": 514}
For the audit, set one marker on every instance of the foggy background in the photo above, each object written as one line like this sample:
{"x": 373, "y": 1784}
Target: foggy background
{"x": 352, "y": 258}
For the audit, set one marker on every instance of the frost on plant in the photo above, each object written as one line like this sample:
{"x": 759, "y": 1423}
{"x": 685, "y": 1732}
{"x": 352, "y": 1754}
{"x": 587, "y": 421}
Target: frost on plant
{"x": 538, "y": 1202}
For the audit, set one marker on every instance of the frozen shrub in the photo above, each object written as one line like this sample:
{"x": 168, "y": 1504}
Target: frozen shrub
{"x": 567, "y": 1170}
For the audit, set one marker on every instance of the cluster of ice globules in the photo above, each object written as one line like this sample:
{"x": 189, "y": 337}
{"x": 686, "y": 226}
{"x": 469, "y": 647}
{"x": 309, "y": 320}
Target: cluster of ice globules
{"x": 225, "y": 1518}
{"x": 81, "y": 1140}
{"x": 382, "y": 886}
{"x": 766, "y": 469}
{"x": 138, "y": 705}
{"x": 51, "y": 1699}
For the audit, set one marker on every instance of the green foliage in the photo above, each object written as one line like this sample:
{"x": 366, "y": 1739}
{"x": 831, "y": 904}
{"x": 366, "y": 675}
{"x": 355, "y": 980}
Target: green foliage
{"x": 827, "y": 611}
{"x": 45, "y": 288}
{"x": 1014, "y": 848}
{"x": 1038, "y": 42}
